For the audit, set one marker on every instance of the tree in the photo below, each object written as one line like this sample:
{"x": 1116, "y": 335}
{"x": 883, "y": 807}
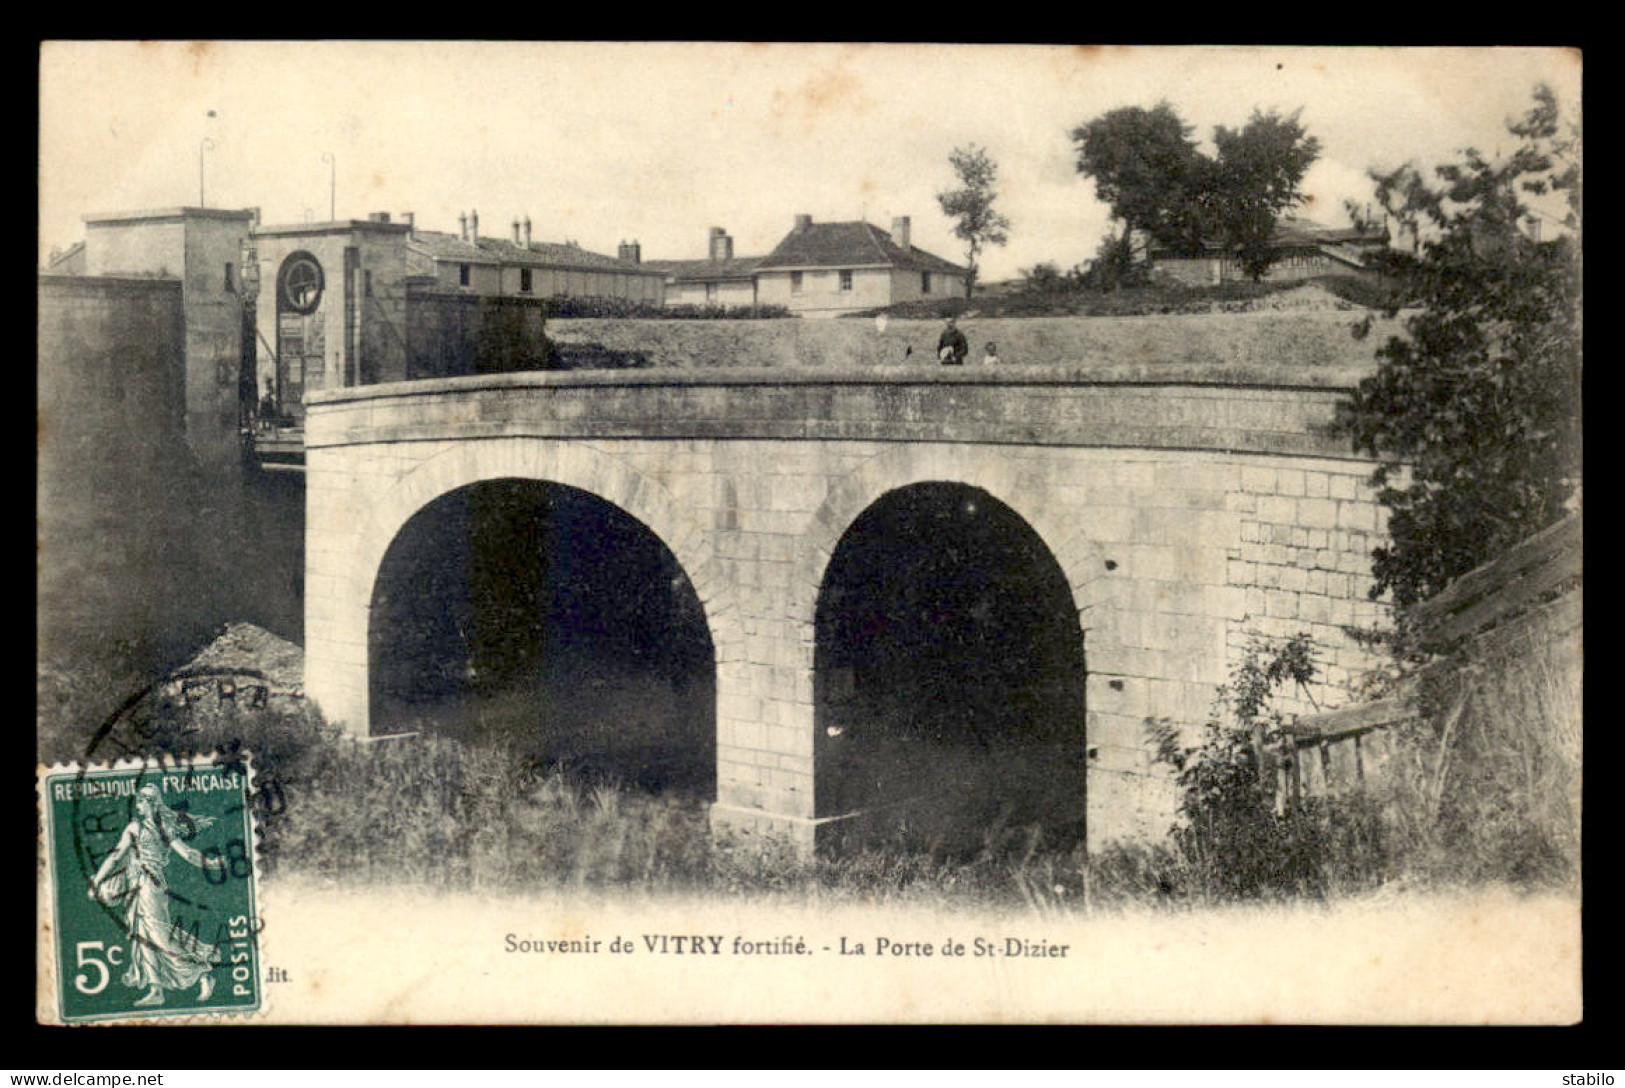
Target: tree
{"x": 978, "y": 224}
{"x": 1255, "y": 179}
{"x": 1481, "y": 400}
{"x": 1145, "y": 167}
{"x": 1157, "y": 181}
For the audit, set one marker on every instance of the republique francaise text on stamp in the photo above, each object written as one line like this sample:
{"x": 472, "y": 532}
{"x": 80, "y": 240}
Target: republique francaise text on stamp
{"x": 153, "y": 888}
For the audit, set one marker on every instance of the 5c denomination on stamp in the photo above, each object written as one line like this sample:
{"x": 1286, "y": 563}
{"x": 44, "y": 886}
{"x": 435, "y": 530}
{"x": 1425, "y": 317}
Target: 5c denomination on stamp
{"x": 153, "y": 888}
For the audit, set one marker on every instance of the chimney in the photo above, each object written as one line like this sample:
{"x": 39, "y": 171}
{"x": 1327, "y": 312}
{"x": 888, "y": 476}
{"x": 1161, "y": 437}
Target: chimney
{"x": 462, "y": 225}
{"x": 722, "y": 246}
{"x": 803, "y": 223}
{"x": 411, "y": 221}
{"x": 527, "y": 232}
{"x": 474, "y": 226}
{"x": 630, "y": 251}
{"x": 516, "y": 230}
{"x": 378, "y": 217}
{"x": 899, "y": 232}
{"x": 254, "y": 217}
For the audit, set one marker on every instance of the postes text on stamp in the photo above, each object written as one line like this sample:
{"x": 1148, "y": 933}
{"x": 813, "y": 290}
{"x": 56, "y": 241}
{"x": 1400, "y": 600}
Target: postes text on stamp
{"x": 153, "y": 888}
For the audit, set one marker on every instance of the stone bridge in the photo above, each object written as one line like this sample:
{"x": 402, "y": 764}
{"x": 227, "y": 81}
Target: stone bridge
{"x": 1185, "y": 511}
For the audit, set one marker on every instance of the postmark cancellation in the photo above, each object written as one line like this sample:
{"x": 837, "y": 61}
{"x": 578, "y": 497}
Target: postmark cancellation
{"x": 151, "y": 907}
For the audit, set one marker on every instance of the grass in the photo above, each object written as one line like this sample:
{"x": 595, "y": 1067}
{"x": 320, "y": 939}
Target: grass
{"x": 1487, "y": 786}
{"x": 1023, "y": 300}
{"x": 1488, "y": 797}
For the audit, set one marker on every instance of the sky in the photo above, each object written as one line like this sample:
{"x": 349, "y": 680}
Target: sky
{"x": 658, "y": 143}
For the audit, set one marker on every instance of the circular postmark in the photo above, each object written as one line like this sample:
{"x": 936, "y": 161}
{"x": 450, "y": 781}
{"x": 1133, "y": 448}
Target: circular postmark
{"x": 153, "y": 854}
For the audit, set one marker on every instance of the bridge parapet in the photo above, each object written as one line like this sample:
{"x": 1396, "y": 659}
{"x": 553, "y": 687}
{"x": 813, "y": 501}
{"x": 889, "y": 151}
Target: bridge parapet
{"x": 1277, "y": 411}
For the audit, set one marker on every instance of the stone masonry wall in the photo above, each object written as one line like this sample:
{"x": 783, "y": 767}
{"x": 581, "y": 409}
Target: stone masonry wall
{"x": 1304, "y": 561}
{"x": 117, "y": 482}
{"x": 1173, "y": 553}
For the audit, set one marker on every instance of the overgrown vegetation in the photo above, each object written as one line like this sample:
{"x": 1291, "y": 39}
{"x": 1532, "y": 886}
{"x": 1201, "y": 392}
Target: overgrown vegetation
{"x": 1483, "y": 787}
{"x": 1486, "y": 782}
{"x": 1237, "y": 837}
{"x": 1475, "y": 413}
{"x": 1490, "y": 797}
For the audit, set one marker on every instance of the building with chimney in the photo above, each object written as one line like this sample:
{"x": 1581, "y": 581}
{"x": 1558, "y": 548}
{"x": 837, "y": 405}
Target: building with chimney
{"x": 520, "y": 267}
{"x": 720, "y": 279}
{"x": 827, "y": 269}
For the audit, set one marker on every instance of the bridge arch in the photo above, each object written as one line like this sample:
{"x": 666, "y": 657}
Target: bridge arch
{"x": 1000, "y": 474}
{"x": 1017, "y": 486}
{"x": 576, "y": 465}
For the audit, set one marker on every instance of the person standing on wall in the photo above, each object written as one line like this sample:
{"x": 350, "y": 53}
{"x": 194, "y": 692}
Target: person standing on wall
{"x": 951, "y": 345}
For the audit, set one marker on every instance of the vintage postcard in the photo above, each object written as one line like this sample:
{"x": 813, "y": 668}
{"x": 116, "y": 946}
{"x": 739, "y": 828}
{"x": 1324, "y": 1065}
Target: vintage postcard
{"x": 687, "y": 533}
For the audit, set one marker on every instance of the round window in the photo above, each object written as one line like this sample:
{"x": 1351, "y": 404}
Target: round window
{"x": 300, "y": 284}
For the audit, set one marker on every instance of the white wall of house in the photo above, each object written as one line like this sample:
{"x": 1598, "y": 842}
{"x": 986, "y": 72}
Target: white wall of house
{"x": 909, "y": 286}
{"x": 712, "y": 293}
{"x": 821, "y": 293}
{"x": 483, "y": 279}
{"x": 490, "y": 279}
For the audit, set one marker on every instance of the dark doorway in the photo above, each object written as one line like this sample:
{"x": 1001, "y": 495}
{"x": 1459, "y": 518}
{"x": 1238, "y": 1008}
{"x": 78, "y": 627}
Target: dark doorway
{"x": 949, "y": 678}
{"x": 540, "y": 616}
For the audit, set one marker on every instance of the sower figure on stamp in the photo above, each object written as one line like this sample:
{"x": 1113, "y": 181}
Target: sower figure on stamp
{"x": 951, "y": 345}
{"x": 132, "y": 882}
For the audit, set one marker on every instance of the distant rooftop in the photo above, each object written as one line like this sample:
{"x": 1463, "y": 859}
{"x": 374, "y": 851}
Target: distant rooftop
{"x": 432, "y": 246}
{"x": 734, "y": 268}
{"x": 1295, "y": 232}
{"x": 851, "y": 245}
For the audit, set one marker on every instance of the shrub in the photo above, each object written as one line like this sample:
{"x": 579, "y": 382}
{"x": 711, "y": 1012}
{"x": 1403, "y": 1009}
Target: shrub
{"x": 1233, "y": 840}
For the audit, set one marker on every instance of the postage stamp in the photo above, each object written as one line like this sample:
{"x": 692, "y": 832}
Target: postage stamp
{"x": 153, "y": 888}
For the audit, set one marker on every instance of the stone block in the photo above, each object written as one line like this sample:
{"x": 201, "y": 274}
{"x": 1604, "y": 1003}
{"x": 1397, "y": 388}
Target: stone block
{"x": 1281, "y": 604}
{"x": 1356, "y": 515}
{"x": 1153, "y": 561}
{"x": 1202, "y": 565}
{"x": 1258, "y": 480}
{"x": 1317, "y": 513}
{"x": 1313, "y": 608}
{"x": 1277, "y": 510}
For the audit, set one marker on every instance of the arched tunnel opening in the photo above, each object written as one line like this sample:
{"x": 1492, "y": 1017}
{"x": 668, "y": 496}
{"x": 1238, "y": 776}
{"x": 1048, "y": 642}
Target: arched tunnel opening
{"x": 949, "y": 680}
{"x": 540, "y": 616}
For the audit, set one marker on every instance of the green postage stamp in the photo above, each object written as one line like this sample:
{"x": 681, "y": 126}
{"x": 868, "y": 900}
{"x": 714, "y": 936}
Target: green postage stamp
{"x": 153, "y": 889}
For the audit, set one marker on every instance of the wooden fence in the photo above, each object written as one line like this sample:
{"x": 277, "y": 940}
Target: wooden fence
{"x": 1531, "y": 592}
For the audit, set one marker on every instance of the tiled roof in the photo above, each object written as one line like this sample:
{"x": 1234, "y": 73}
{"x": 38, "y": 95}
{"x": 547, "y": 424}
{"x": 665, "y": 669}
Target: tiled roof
{"x": 555, "y": 255}
{"x": 1293, "y": 232}
{"x": 851, "y": 245}
{"x": 437, "y": 246}
{"x": 735, "y": 268}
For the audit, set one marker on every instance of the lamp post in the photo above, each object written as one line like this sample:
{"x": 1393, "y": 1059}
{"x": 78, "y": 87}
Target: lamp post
{"x": 206, "y": 145}
{"x": 332, "y": 185}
